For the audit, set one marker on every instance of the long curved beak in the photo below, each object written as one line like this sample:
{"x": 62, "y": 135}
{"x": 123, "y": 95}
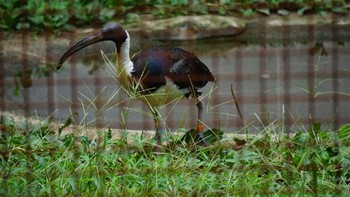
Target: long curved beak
{"x": 91, "y": 39}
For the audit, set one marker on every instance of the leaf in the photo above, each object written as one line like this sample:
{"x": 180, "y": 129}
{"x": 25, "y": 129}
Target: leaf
{"x": 72, "y": 183}
{"x": 222, "y": 11}
{"x": 301, "y": 137}
{"x": 248, "y": 156}
{"x": 322, "y": 13}
{"x": 190, "y": 136}
{"x": 8, "y": 4}
{"x": 213, "y": 135}
{"x": 68, "y": 139}
{"x": 344, "y": 134}
{"x": 283, "y": 12}
{"x": 36, "y": 19}
{"x": 85, "y": 140}
{"x": 265, "y": 11}
{"x": 106, "y": 14}
{"x": 22, "y": 26}
{"x": 65, "y": 125}
{"x": 316, "y": 126}
{"x": 210, "y": 136}
{"x": 339, "y": 10}
{"x": 302, "y": 11}
{"x": 248, "y": 12}
{"x": 109, "y": 134}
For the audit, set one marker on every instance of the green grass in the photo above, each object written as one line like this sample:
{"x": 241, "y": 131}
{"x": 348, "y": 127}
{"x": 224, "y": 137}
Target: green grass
{"x": 35, "y": 161}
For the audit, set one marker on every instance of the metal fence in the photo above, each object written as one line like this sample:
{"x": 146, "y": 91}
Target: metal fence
{"x": 278, "y": 75}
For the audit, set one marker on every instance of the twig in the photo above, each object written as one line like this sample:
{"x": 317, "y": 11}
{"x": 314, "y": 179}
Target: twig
{"x": 236, "y": 102}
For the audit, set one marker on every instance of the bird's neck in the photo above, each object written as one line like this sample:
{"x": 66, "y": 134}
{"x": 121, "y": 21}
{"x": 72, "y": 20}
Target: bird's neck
{"x": 124, "y": 64}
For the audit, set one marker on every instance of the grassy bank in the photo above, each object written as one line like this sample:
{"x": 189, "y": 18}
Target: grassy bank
{"x": 37, "y": 161}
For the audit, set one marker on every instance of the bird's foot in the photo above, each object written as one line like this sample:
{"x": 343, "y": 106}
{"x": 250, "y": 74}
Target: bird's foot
{"x": 201, "y": 140}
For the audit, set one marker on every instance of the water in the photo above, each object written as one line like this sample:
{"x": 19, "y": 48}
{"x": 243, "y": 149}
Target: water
{"x": 295, "y": 84}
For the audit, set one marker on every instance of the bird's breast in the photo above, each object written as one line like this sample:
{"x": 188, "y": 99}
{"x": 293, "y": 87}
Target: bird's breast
{"x": 167, "y": 93}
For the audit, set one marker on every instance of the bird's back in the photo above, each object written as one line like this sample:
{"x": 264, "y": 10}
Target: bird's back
{"x": 153, "y": 67}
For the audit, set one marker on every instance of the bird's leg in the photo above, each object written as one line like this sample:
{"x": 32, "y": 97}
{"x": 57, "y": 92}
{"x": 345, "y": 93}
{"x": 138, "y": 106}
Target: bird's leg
{"x": 157, "y": 126}
{"x": 199, "y": 104}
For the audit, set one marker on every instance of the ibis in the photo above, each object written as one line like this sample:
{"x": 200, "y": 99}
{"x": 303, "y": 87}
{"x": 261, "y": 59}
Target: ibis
{"x": 159, "y": 75}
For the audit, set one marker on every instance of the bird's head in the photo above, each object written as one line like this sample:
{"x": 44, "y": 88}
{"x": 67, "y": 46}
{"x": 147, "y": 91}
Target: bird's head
{"x": 111, "y": 32}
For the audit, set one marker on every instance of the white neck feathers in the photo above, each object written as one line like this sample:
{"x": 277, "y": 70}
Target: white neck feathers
{"x": 124, "y": 64}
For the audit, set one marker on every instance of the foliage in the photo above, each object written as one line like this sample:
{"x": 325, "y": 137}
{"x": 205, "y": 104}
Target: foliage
{"x": 34, "y": 161}
{"x": 39, "y": 16}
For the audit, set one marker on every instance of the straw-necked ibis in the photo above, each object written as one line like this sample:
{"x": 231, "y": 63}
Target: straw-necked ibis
{"x": 159, "y": 75}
